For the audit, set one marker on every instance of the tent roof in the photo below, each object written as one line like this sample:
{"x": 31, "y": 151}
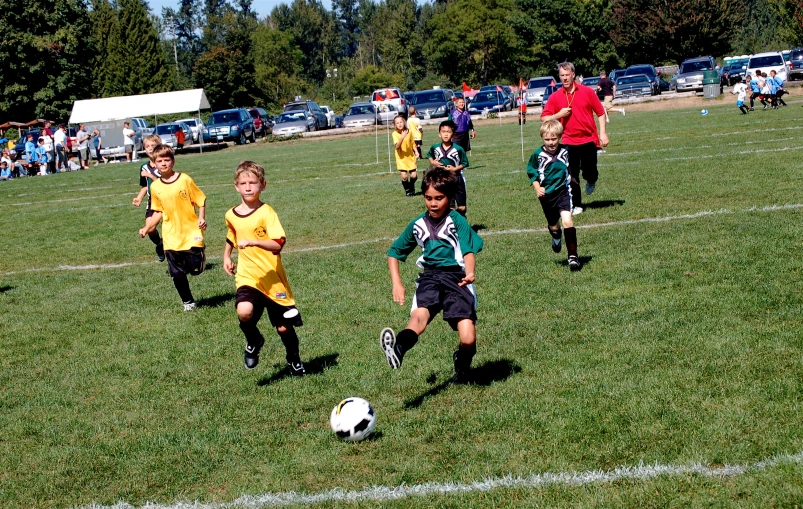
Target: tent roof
{"x": 116, "y": 108}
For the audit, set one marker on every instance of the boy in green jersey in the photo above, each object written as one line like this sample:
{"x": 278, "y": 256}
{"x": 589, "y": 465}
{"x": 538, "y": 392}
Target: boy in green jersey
{"x": 548, "y": 170}
{"x": 447, "y": 284}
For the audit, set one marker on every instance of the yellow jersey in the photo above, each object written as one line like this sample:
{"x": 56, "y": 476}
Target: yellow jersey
{"x": 257, "y": 267}
{"x": 414, "y": 125}
{"x": 405, "y": 156}
{"x": 177, "y": 201}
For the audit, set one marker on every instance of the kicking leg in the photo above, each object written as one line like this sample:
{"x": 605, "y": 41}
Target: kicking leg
{"x": 466, "y": 350}
{"x": 396, "y": 345}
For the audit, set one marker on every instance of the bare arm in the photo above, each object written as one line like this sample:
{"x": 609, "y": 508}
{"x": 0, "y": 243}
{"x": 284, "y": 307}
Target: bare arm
{"x": 401, "y": 139}
{"x": 202, "y": 217}
{"x": 140, "y": 196}
{"x": 267, "y": 245}
{"x": 471, "y": 264}
{"x": 150, "y": 224}
{"x": 228, "y": 266}
{"x": 395, "y": 277}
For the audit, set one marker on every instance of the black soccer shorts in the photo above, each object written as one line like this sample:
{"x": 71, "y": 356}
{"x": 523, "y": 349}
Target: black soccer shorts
{"x": 438, "y": 290}
{"x": 181, "y": 263}
{"x": 554, "y": 203}
{"x": 261, "y": 302}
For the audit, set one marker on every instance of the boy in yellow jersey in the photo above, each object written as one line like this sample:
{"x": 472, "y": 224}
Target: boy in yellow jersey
{"x": 415, "y": 128}
{"x": 175, "y": 197}
{"x": 254, "y": 229}
{"x": 147, "y": 174}
{"x": 405, "y": 155}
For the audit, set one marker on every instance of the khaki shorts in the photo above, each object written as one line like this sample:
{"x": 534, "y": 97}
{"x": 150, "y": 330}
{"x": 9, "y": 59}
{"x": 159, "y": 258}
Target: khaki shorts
{"x": 608, "y": 102}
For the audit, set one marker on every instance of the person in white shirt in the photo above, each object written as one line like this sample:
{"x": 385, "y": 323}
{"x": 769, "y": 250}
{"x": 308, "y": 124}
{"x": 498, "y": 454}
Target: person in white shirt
{"x": 60, "y": 140}
{"x": 128, "y": 137}
{"x": 740, "y": 91}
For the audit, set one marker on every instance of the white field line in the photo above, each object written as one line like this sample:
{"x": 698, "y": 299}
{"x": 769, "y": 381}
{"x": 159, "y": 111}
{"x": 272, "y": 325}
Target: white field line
{"x": 697, "y": 215}
{"x": 708, "y": 156}
{"x": 641, "y": 472}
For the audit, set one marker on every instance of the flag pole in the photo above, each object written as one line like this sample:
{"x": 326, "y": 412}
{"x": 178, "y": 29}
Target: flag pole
{"x": 390, "y": 169}
{"x": 376, "y": 133}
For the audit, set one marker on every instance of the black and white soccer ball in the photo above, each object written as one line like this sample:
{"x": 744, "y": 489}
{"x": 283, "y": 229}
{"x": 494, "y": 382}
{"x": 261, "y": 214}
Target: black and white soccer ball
{"x": 353, "y": 419}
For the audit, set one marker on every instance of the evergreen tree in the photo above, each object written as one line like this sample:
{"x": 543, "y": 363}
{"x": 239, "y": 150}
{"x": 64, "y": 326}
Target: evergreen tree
{"x": 315, "y": 30}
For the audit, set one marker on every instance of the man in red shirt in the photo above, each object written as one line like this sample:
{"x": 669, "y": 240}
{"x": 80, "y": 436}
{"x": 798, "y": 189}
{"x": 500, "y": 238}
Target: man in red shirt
{"x": 574, "y": 106}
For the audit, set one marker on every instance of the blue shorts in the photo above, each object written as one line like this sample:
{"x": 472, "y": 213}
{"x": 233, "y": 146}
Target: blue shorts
{"x": 739, "y": 103}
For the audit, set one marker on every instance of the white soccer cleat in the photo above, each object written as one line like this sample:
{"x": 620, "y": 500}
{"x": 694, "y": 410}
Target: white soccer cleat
{"x": 577, "y": 211}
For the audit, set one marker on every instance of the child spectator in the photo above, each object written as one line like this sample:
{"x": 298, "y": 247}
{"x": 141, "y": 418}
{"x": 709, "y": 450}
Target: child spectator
{"x": 453, "y": 158}
{"x": 70, "y": 164}
{"x": 51, "y": 152}
{"x": 416, "y": 129}
{"x": 97, "y": 141}
{"x": 30, "y": 153}
{"x": 175, "y": 197}
{"x": 255, "y": 231}
{"x": 5, "y": 171}
{"x": 447, "y": 282}
{"x": 147, "y": 174}
{"x": 548, "y": 170}
{"x": 43, "y": 155}
{"x": 405, "y": 155}
{"x": 740, "y": 90}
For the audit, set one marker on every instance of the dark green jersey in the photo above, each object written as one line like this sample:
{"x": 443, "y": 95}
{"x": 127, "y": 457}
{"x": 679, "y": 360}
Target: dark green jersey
{"x": 444, "y": 242}
{"x": 550, "y": 170}
{"x": 452, "y": 156}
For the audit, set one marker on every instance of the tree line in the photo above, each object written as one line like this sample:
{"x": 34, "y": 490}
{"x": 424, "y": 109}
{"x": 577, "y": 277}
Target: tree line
{"x": 57, "y": 51}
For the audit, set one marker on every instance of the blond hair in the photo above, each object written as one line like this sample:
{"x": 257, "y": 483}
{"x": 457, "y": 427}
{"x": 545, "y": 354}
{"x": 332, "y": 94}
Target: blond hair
{"x": 552, "y": 127}
{"x": 154, "y": 138}
{"x": 252, "y": 168}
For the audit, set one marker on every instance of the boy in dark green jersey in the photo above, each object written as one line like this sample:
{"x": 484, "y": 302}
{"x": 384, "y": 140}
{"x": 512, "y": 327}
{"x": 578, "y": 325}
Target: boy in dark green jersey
{"x": 447, "y": 284}
{"x": 548, "y": 170}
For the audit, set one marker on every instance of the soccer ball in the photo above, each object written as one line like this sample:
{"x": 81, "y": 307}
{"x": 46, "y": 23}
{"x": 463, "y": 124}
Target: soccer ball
{"x": 704, "y": 112}
{"x": 353, "y": 419}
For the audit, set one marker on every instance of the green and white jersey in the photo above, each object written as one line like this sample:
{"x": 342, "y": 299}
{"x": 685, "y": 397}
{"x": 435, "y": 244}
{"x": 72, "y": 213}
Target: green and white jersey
{"x": 444, "y": 242}
{"x": 551, "y": 170}
{"x": 452, "y": 156}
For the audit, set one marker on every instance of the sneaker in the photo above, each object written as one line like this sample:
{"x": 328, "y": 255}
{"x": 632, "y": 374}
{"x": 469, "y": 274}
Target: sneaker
{"x": 590, "y": 187}
{"x": 751, "y": 109}
{"x": 251, "y": 355}
{"x": 189, "y": 306}
{"x": 623, "y": 111}
{"x": 574, "y": 263}
{"x": 577, "y": 210}
{"x": 556, "y": 245}
{"x": 393, "y": 354}
{"x": 600, "y": 151}
{"x": 296, "y": 368}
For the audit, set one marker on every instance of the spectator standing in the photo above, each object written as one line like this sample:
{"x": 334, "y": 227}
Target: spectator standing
{"x": 574, "y": 106}
{"x": 51, "y": 150}
{"x": 60, "y": 140}
{"x": 607, "y": 88}
{"x": 30, "y": 152}
{"x": 465, "y": 127}
{"x": 97, "y": 141}
{"x": 128, "y": 141}
{"x": 83, "y": 137}
{"x": 43, "y": 155}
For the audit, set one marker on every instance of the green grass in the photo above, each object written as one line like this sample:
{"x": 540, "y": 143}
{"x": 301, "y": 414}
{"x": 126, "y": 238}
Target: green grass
{"x": 678, "y": 342}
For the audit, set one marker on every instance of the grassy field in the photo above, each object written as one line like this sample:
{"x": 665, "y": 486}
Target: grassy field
{"x": 679, "y": 341}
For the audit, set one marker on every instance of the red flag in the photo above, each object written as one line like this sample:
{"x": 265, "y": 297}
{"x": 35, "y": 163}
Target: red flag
{"x": 498, "y": 88}
{"x": 391, "y": 94}
{"x": 521, "y": 85}
{"x": 466, "y": 88}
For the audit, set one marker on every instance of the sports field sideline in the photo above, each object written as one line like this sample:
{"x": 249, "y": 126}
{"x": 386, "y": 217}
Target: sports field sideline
{"x": 666, "y": 372}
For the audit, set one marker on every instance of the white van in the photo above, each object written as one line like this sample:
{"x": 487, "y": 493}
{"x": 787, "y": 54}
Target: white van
{"x": 766, "y": 62}
{"x": 392, "y": 96}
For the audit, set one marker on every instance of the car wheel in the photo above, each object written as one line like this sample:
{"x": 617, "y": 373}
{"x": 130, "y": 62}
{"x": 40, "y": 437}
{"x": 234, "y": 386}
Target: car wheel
{"x": 253, "y": 136}
{"x": 241, "y": 139}
{"x": 314, "y": 126}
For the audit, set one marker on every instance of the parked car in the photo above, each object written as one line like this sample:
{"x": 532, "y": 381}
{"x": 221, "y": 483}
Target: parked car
{"x": 330, "y": 115}
{"x": 293, "y": 122}
{"x": 796, "y": 64}
{"x": 169, "y": 131}
{"x": 386, "y": 113}
{"x": 491, "y": 101}
{"x": 235, "y": 124}
{"x": 506, "y": 91}
{"x": 392, "y": 96}
{"x": 313, "y": 110}
{"x": 592, "y": 83}
{"x": 647, "y": 70}
{"x": 690, "y": 74}
{"x": 766, "y": 62}
{"x": 735, "y": 68}
{"x": 616, "y": 73}
{"x": 432, "y": 103}
{"x": 635, "y": 85}
{"x": 548, "y": 91}
{"x": 262, "y": 124}
{"x": 536, "y": 88}
{"x": 196, "y": 125}
{"x": 360, "y": 115}
{"x": 339, "y": 120}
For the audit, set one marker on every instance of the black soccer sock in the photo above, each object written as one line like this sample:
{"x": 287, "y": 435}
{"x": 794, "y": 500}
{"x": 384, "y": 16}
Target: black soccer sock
{"x": 406, "y": 339}
{"x": 290, "y": 340}
{"x": 571, "y": 240}
{"x": 252, "y": 335}
{"x": 183, "y": 287}
{"x": 154, "y": 237}
{"x": 412, "y": 184}
{"x": 406, "y": 186}
{"x": 556, "y": 233}
{"x": 463, "y": 356}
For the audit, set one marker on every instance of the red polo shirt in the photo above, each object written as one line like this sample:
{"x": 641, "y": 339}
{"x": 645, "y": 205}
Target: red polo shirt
{"x": 580, "y": 126}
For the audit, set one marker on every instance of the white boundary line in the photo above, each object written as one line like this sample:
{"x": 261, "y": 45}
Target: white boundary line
{"x": 696, "y": 215}
{"x": 641, "y": 472}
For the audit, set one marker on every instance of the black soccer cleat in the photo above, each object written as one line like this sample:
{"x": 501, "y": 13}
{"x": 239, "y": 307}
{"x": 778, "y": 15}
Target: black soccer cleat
{"x": 251, "y": 355}
{"x": 296, "y": 368}
{"x": 574, "y": 263}
{"x": 393, "y": 353}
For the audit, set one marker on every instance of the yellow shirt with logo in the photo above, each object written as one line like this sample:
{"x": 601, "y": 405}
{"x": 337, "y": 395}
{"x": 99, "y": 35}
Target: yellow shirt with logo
{"x": 257, "y": 267}
{"x": 414, "y": 125}
{"x": 405, "y": 155}
{"x": 177, "y": 201}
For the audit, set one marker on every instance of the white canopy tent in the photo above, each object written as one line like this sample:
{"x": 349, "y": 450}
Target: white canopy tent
{"x": 145, "y": 105}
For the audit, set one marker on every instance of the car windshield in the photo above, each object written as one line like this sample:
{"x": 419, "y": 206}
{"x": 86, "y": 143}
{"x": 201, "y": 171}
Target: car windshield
{"x": 384, "y": 108}
{"x": 382, "y": 95}
{"x": 225, "y": 118}
{"x": 796, "y": 55}
{"x": 429, "y": 97}
{"x": 539, "y": 83}
{"x": 694, "y": 66}
{"x": 630, "y": 80}
{"x": 484, "y": 97}
{"x": 639, "y": 70}
{"x": 167, "y": 129}
{"x": 767, "y": 61}
{"x": 293, "y": 116}
{"x": 296, "y": 107}
{"x": 363, "y": 109}
{"x": 254, "y": 113}
{"x": 191, "y": 122}
{"x": 738, "y": 64}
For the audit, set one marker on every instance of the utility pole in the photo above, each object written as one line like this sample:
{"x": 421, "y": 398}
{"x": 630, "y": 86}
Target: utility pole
{"x": 170, "y": 27}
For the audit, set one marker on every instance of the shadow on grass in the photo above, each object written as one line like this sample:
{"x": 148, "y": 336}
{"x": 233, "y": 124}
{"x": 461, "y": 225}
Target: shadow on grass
{"x": 216, "y": 301}
{"x": 478, "y": 227}
{"x": 583, "y": 261}
{"x": 314, "y": 366}
{"x": 483, "y": 375}
{"x": 4, "y": 289}
{"x": 603, "y": 204}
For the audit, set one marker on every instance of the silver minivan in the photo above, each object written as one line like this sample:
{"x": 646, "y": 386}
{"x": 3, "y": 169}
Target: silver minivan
{"x": 536, "y": 88}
